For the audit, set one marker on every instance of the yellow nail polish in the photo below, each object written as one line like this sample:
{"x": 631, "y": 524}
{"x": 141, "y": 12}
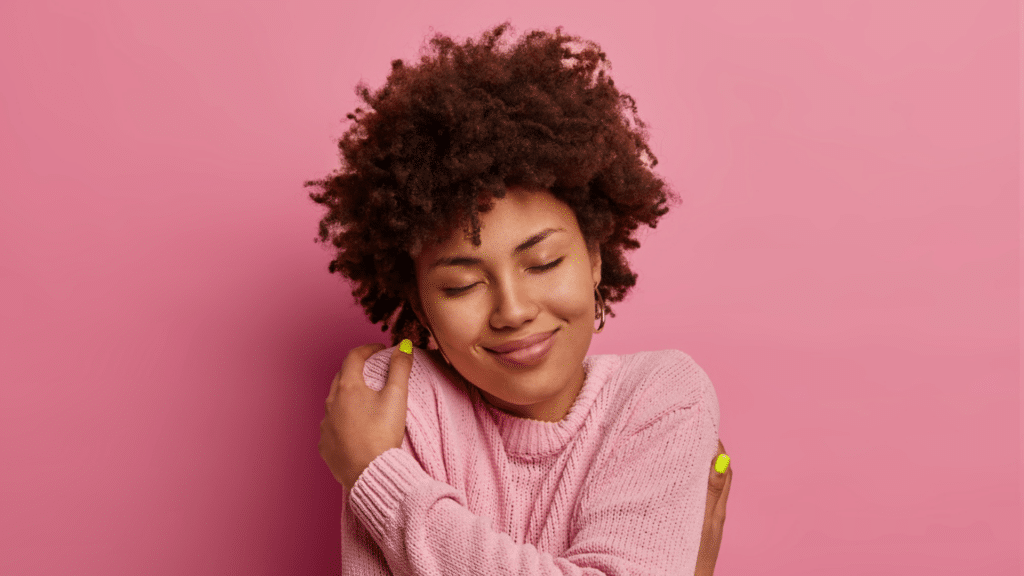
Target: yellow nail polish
{"x": 405, "y": 346}
{"x": 722, "y": 464}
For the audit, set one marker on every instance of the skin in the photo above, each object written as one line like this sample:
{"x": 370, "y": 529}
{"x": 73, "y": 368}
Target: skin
{"x": 510, "y": 297}
{"x": 714, "y": 517}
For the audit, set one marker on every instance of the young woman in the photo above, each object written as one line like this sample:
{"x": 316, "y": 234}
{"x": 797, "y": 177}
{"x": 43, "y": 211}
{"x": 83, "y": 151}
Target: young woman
{"x": 483, "y": 208}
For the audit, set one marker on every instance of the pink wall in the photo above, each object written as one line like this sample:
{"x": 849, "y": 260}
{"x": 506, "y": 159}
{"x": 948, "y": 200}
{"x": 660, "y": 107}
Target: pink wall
{"x": 845, "y": 267}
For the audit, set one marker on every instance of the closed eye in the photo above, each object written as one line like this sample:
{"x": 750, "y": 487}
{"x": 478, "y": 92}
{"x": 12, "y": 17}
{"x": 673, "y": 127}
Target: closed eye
{"x": 549, "y": 265}
{"x": 454, "y": 291}
{"x": 542, "y": 268}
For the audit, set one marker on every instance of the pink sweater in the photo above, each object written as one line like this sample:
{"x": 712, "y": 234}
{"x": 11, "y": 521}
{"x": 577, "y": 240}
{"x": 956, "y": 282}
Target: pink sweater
{"x": 618, "y": 486}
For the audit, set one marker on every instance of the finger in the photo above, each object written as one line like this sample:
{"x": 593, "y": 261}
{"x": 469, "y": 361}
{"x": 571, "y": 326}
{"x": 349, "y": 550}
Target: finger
{"x": 716, "y": 479}
{"x": 720, "y": 505}
{"x": 352, "y": 367}
{"x": 359, "y": 355}
{"x": 396, "y": 389}
{"x": 355, "y": 360}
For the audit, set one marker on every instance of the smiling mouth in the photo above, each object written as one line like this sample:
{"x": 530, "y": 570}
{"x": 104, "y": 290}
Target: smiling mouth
{"x": 528, "y": 356}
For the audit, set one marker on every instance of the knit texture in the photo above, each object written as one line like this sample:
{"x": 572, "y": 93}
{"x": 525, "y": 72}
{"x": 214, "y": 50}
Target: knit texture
{"x": 617, "y": 487}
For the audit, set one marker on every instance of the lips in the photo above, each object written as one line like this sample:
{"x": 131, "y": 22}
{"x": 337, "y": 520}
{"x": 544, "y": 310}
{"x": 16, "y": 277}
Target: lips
{"x": 522, "y": 342}
{"x": 528, "y": 351}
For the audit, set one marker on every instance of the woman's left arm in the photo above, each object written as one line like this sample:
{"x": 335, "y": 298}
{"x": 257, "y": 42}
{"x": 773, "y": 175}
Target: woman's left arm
{"x": 640, "y": 514}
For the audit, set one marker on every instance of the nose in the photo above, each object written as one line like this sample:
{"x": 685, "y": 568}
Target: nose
{"x": 514, "y": 305}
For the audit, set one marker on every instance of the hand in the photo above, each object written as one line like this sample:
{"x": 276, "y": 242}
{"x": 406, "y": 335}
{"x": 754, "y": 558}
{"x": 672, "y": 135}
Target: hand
{"x": 362, "y": 423}
{"x": 714, "y": 517}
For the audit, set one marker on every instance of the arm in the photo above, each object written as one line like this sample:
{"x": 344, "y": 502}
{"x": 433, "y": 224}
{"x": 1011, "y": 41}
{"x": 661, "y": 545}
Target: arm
{"x": 641, "y": 513}
{"x": 360, "y": 556}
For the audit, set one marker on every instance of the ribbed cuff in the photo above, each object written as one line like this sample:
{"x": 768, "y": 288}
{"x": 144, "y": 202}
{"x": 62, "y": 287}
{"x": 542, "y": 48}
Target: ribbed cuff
{"x": 378, "y": 493}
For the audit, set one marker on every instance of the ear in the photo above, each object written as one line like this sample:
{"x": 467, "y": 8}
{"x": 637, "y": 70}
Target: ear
{"x": 595, "y": 263}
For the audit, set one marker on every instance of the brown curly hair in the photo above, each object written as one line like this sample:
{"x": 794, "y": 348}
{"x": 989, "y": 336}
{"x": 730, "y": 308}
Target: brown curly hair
{"x": 443, "y": 138}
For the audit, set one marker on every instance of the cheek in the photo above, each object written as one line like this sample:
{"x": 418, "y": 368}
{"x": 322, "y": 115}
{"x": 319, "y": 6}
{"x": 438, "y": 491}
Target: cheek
{"x": 457, "y": 321}
{"x": 573, "y": 295}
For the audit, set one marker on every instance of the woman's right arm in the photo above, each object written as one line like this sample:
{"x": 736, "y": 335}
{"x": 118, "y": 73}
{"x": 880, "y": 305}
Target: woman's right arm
{"x": 423, "y": 526}
{"x": 360, "y": 555}
{"x": 403, "y": 521}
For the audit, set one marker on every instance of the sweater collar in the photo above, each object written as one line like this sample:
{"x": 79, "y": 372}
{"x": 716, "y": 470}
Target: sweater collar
{"x": 525, "y": 437}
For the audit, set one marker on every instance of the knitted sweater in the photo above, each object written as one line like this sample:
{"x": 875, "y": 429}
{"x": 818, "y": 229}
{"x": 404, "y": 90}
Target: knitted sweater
{"x": 618, "y": 486}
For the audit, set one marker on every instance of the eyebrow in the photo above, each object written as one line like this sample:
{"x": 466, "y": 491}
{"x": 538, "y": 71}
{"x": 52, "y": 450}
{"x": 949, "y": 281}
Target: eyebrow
{"x": 469, "y": 261}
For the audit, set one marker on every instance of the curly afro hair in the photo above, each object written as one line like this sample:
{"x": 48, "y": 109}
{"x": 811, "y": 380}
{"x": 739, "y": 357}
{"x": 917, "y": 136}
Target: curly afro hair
{"x": 443, "y": 138}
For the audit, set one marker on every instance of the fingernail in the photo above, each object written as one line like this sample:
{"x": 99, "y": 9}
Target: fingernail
{"x": 405, "y": 346}
{"x": 722, "y": 464}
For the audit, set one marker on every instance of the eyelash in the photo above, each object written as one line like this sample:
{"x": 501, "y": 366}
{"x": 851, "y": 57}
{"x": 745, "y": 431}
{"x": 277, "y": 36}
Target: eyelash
{"x": 542, "y": 268}
{"x": 549, "y": 265}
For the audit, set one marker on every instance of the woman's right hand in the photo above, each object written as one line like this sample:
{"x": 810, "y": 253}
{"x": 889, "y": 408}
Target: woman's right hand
{"x": 714, "y": 517}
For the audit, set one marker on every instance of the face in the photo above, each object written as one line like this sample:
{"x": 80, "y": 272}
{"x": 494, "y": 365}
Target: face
{"x": 532, "y": 275}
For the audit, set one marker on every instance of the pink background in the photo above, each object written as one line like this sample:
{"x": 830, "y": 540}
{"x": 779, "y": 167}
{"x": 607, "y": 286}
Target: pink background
{"x": 845, "y": 267}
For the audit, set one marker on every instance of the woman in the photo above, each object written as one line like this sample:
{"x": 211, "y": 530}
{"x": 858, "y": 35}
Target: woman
{"x": 484, "y": 206}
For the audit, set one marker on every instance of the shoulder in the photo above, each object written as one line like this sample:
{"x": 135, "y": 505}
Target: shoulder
{"x": 437, "y": 401}
{"x": 425, "y": 376}
{"x": 664, "y": 383}
{"x": 432, "y": 383}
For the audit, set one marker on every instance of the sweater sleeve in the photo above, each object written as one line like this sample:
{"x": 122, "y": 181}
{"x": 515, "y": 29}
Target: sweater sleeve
{"x": 360, "y": 555}
{"x": 644, "y": 512}
{"x": 641, "y": 513}
{"x": 424, "y": 528}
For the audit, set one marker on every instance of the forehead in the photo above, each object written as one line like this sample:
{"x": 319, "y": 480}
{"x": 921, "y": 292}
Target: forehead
{"x": 510, "y": 221}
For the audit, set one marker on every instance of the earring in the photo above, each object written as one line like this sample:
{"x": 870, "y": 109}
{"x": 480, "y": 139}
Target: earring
{"x": 600, "y": 302}
{"x": 438, "y": 345}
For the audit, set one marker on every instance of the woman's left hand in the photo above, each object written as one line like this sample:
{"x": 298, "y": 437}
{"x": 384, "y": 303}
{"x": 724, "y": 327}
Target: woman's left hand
{"x": 362, "y": 423}
{"x": 714, "y": 516}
